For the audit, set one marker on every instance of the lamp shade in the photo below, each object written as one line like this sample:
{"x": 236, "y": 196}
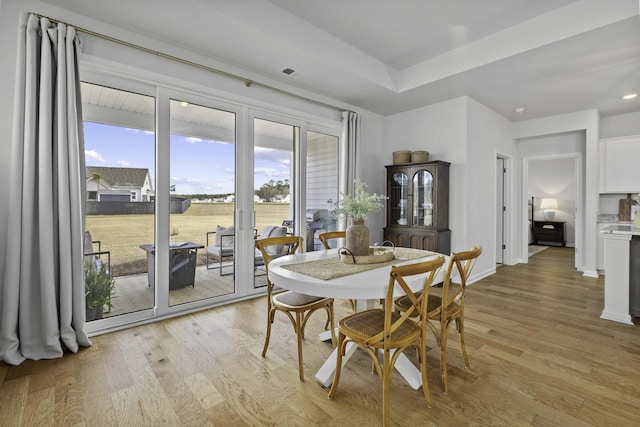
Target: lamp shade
{"x": 549, "y": 203}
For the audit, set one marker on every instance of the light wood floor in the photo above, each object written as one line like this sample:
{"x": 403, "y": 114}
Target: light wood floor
{"x": 539, "y": 353}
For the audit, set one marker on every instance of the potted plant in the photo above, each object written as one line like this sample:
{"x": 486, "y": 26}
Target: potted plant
{"x": 99, "y": 286}
{"x": 356, "y": 206}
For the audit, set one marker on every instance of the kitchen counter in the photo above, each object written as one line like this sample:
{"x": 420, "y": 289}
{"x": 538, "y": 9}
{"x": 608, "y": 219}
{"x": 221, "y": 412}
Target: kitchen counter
{"x": 621, "y": 228}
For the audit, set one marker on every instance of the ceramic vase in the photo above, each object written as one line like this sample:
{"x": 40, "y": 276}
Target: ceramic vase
{"x": 357, "y": 239}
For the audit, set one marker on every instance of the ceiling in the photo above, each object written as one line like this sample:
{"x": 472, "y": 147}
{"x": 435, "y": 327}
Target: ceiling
{"x": 546, "y": 56}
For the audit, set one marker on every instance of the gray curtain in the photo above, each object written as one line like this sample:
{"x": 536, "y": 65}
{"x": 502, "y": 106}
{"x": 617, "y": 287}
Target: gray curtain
{"x": 350, "y": 155}
{"x": 42, "y": 291}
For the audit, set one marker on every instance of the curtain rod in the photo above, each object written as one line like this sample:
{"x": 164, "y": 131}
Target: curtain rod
{"x": 247, "y": 82}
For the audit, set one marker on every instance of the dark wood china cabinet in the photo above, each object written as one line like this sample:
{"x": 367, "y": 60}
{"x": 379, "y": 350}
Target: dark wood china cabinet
{"x": 418, "y": 206}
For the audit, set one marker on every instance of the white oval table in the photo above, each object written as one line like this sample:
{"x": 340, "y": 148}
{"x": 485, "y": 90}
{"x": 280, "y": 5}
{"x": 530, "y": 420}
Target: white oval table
{"x": 365, "y": 287}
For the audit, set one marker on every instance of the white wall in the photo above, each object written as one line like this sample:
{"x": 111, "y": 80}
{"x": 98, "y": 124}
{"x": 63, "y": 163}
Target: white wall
{"x": 620, "y": 125}
{"x": 488, "y": 135}
{"x": 468, "y": 135}
{"x": 440, "y": 129}
{"x": 372, "y": 171}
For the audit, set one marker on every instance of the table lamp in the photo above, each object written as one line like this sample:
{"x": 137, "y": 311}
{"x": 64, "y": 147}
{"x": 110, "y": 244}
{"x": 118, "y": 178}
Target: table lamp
{"x": 549, "y": 207}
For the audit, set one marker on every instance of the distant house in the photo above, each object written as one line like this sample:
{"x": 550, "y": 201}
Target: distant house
{"x": 105, "y": 184}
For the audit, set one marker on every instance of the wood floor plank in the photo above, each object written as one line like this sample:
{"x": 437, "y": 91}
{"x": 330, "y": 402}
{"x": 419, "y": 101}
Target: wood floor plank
{"x": 540, "y": 356}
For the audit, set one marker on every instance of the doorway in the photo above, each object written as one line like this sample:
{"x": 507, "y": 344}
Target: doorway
{"x": 558, "y": 177}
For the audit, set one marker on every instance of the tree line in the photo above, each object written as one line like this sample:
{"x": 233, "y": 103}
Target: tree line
{"x": 269, "y": 192}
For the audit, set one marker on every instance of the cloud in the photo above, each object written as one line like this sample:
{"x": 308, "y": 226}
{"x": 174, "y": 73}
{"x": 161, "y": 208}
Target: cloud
{"x": 272, "y": 173}
{"x": 143, "y": 131}
{"x": 124, "y": 163}
{"x": 193, "y": 140}
{"x": 94, "y": 155}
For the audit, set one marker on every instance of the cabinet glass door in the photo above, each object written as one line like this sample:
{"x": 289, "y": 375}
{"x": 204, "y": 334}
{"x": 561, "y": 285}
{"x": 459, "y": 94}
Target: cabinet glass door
{"x": 423, "y": 198}
{"x": 398, "y": 198}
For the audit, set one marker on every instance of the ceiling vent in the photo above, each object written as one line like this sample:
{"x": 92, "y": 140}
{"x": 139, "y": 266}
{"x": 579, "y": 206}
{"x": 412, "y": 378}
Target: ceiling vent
{"x": 293, "y": 73}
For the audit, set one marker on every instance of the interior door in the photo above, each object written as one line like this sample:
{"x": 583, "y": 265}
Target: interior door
{"x": 500, "y": 210}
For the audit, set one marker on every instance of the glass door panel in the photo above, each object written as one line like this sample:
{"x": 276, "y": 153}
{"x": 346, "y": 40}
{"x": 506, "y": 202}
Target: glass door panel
{"x": 398, "y": 198}
{"x": 273, "y": 183}
{"x": 120, "y": 207}
{"x": 202, "y": 202}
{"x": 423, "y": 198}
{"x": 321, "y": 186}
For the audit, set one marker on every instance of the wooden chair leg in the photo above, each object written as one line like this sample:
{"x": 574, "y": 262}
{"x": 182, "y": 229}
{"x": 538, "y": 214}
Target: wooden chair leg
{"x": 443, "y": 357}
{"x": 336, "y": 377}
{"x": 463, "y": 349}
{"x": 299, "y": 331}
{"x": 268, "y": 336}
{"x": 386, "y": 384}
{"x": 334, "y": 341}
{"x": 422, "y": 352}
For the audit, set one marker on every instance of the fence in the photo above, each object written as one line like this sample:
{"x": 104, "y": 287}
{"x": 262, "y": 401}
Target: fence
{"x": 177, "y": 206}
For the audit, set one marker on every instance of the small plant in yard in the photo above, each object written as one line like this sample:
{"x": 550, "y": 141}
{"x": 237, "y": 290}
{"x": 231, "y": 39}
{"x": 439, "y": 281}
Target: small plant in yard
{"x": 99, "y": 286}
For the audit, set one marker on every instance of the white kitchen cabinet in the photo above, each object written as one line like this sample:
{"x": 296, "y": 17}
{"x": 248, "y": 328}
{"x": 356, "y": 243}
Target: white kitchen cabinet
{"x": 619, "y": 171}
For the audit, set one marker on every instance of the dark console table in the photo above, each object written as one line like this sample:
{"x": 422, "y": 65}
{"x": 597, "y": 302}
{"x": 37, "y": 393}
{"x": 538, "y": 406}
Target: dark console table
{"x": 548, "y": 231}
{"x": 182, "y": 259}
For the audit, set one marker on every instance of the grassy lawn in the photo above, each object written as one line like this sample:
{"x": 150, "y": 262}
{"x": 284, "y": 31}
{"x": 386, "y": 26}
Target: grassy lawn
{"x": 123, "y": 234}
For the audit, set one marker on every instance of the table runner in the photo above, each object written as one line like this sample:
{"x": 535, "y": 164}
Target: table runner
{"x": 332, "y": 268}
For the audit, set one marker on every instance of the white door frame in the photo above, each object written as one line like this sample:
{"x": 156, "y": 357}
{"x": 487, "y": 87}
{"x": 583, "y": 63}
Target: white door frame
{"x": 579, "y": 209}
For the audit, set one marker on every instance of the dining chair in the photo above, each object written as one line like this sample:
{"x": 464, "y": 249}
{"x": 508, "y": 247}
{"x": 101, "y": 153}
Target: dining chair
{"x": 330, "y": 235}
{"x": 288, "y": 302}
{"x": 383, "y": 329}
{"x": 443, "y": 310}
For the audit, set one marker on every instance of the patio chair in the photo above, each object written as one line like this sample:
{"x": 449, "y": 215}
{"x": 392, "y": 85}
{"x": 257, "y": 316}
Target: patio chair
{"x": 95, "y": 257}
{"x": 274, "y": 251}
{"x": 223, "y": 246}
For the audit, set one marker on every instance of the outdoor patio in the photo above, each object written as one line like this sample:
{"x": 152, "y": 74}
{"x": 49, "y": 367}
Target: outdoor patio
{"x": 133, "y": 292}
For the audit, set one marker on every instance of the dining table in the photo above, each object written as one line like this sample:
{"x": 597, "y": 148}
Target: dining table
{"x": 325, "y": 274}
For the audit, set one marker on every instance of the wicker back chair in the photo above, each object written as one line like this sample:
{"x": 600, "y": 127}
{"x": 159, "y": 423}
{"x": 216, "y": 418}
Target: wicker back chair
{"x": 291, "y": 303}
{"x": 382, "y": 329}
{"x": 448, "y": 308}
{"x": 329, "y": 235}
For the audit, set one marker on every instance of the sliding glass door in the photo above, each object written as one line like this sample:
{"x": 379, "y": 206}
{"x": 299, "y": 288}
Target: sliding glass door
{"x": 120, "y": 200}
{"x": 201, "y": 202}
{"x": 274, "y": 182}
{"x": 179, "y": 186}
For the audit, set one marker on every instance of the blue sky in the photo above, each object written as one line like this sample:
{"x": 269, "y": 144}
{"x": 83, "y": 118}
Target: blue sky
{"x": 197, "y": 165}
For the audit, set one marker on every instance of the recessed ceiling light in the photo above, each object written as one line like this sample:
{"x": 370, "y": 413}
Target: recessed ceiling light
{"x": 184, "y": 104}
{"x": 519, "y": 110}
{"x": 630, "y": 96}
